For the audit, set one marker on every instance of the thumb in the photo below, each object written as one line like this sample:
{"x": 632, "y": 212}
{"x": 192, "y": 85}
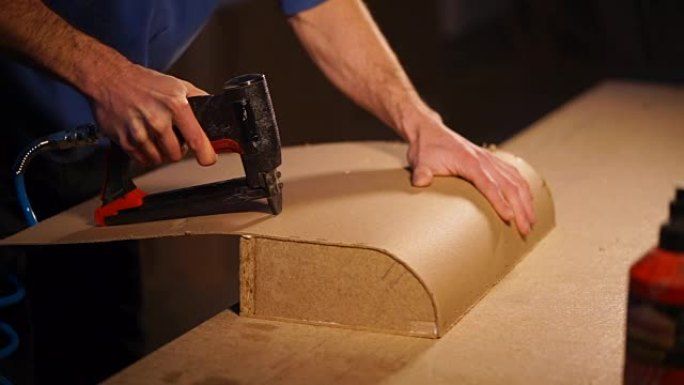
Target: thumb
{"x": 422, "y": 176}
{"x": 194, "y": 91}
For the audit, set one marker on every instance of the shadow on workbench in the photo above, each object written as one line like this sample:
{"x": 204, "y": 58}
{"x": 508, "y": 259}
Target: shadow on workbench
{"x": 98, "y": 308}
{"x": 231, "y": 350}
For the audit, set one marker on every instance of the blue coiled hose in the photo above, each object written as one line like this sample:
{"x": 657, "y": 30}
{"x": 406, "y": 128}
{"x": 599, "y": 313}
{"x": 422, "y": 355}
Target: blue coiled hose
{"x": 81, "y": 136}
{"x": 86, "y": 135}
{"x": 17, "y": 294}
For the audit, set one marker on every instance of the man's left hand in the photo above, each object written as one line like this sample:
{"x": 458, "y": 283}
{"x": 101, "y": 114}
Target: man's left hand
{"x": 437, "y": 151}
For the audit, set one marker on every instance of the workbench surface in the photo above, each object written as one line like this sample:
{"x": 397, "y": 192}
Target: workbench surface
{"x": 612, "y": 158}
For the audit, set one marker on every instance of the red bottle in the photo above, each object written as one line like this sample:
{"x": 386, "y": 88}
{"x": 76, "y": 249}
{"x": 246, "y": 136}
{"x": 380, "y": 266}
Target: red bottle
{"x": 654, "y": 352}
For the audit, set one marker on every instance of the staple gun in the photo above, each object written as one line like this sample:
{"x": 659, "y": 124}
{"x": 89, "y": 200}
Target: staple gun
{"x": 241, "y": 119}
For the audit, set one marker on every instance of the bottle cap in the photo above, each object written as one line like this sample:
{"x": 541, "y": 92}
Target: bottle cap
{"x": 672, "y": 236}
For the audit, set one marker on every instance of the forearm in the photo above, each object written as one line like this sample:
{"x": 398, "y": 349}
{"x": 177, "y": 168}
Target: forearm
{"x": 344, "y": 41}
{"x": 133, "y": 105}
{"x": 32, "y": 30}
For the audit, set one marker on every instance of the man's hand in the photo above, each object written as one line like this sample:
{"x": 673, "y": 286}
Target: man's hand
{"x": 138, "y": 109}
{"x": 345, "y": 42}
{"x": 134, "y": 106}
{"x": 438, "y": 151}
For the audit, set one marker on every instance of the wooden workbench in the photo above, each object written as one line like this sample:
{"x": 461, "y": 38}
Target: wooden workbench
{"x": 612, "y": 158}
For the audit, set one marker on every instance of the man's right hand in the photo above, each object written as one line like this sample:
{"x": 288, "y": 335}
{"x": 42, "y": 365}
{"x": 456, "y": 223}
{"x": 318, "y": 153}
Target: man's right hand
{"x": 134, "y": 106}
{"x": 138, "y": 108}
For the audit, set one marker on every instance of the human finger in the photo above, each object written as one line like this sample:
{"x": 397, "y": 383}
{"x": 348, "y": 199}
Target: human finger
{"x": 164, "y": 137}
{"x": 509, "y": 187}
{"x": 524, "y": 189}
{"x": 511, "y": 193}
{"x": 169, "y": 146}
{"x": 140, "y": 139}
{"x": 131, "y": 150}
{"x": 421, "y": 176}
{"x": 192, "y": 90}
{"x": 484, "y": 182}
{"x": 194, "y": 136}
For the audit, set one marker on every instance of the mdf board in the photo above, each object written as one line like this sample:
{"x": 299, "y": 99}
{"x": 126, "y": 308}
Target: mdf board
{"x": 356, "y": 245}
{"x": 613, "y": 157}
{"x": 368, "y": 251}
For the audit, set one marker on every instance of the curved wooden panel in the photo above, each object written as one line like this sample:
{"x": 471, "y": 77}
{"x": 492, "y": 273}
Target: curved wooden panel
{"x": 356, "y": 245}
{"x": 328, "y": 258}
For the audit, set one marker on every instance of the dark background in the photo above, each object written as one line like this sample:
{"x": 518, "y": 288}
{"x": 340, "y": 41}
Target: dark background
{"x": 490, "y": 67}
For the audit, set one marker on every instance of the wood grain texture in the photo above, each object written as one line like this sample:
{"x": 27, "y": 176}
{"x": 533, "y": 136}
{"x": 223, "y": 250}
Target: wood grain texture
{"x": 333, "y": 285}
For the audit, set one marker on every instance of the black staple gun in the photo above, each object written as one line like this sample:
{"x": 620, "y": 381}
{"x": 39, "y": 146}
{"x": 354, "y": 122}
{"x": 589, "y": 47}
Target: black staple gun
{"x": 241, "y": 119}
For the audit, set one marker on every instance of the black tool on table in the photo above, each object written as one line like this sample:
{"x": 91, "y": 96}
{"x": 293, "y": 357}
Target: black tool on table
{"x": 241, "y": 119}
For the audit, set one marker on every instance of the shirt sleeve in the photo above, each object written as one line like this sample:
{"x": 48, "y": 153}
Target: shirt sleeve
{"x": 292, "y": 7}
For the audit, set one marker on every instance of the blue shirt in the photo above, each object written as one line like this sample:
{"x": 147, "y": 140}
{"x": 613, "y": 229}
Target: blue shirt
{"x": 152, "y": 33}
